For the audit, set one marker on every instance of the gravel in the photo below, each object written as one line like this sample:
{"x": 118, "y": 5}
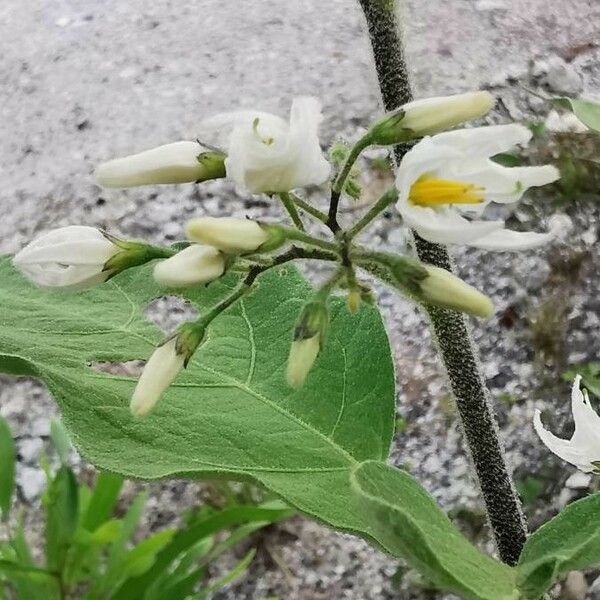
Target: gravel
{"x": 83, "y": 82}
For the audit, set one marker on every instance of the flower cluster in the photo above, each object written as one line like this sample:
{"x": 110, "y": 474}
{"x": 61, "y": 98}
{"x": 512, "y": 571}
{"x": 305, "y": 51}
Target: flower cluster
{"x": 442, "y": 187}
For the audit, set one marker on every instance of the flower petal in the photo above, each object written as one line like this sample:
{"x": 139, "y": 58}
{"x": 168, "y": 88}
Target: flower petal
{"x": 484, "y": 141}
{"x": 446, "y": 226}
{"x": 216, "y": 130}
{"x": 564, "y": 449}
{"x": 509, "y": 240}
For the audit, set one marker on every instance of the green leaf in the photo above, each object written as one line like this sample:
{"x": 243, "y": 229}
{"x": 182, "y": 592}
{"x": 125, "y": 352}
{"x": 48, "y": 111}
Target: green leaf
{"x": 187, "y": 538}
{"x": 508, "y": 160}
{"x": 60, "y": 440}
{"x": 587, "y": 111}
{"x": 569, "y": 541}
{"x": 236, "y": 572}
{"x": 231, "y": 413}
{"x": 61, "y": 520}
{"x": 411, "y": 525}
{"x": 590, "y": 376}
{"x": 7, "y": 468}
{"x": 104, "y": 498}
{"x": 30, "y": 582}
{"x": 140, "y": 558}
{"x": 111, "y": 577}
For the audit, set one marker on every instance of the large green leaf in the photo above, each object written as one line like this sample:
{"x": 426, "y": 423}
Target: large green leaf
{"x": 410, "y": 524}
{"x": 231, "y": 413}
{"x": 569, "y": 541}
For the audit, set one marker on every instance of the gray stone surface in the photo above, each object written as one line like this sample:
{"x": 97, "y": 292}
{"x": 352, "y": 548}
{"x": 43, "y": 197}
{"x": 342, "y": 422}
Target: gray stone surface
{"x": 83, "y": 82}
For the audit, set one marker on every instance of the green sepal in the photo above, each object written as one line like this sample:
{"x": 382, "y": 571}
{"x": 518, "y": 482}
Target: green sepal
{"x": 189, "y": 336}
{"x": 132, "y": 254}
{"x": 277, "y": 237}
{"x": 213, "y": 164}
{"x": 313, "y": 321}
{"x": 389, "y": 130}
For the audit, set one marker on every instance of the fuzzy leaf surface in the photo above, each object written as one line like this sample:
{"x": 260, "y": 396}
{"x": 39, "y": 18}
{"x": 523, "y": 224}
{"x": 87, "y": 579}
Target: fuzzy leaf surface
{"x": 230, "y": 413}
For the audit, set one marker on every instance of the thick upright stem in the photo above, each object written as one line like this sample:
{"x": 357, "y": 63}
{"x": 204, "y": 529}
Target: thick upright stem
{"x": 451, "y": 329}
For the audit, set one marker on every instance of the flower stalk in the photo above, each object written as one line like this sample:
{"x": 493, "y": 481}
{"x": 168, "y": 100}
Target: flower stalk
{"x": 453, "y": 337}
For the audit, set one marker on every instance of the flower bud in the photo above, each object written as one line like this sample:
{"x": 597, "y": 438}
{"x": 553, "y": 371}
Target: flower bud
{"x": 179, "y": 162}
{"x": 442, "y": 288}
{"x": 158, "y": 374}
{"x": 308, "y": 339}
{"x": 231, "y": 235}
{"x": 353, "y": 301}
{"x": 194, "y": 265}
{"x": 430, "y": 115}
{"x": 164, "y": 365}
{"x": 73, "y": 257}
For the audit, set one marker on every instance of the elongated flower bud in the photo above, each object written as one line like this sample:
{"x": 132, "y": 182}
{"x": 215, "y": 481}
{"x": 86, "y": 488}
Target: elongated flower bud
{"x": 73, "y": 257}
{"x": 164, "y": 365}
{"x": 445, "y": 289}
{"x": 231, "y": 235}
{"x": 308, "y": 339}
{"x": 195, "y": 265}
{"x": 158, "y": 374}
{"x": 430, "y": 115}
{"x": 179, "y": 162}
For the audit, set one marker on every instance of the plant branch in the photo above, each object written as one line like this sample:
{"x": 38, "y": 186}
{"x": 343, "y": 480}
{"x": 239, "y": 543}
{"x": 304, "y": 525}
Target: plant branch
{"x": 451, "y": 329}
{"x": 289, "y": 205}
{"x": 305, "y": 238}
{"x": 294, "y": 253}
{"x": 388, "y": 198}
{"x": 308, "y": 208}
{"x": 340, "y": 181}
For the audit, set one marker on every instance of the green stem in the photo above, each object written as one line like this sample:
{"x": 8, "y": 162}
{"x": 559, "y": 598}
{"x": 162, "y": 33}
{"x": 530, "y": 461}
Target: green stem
{"x": 289, "y": 205}
{"x": 308, "y": 208}
{"x": 305, "y": 238}
{"x": 386, "y": 200}
{"x": 451, "y": 329}
{"x": 294, "y": 253}
{"x": 340, "y": 181}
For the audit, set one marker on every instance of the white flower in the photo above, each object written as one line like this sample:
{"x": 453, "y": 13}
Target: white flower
{"x": 158, "y": 374}
{"x": 445, "y": 289}
{"x": 449, "y": 176}
{"x": 430, "y": 115}
{"x": 193, "y": 265}
{"x": 70, "y": 257}
{"x": 179, "y": 162}
{"x": 267, "y": 154}
{"x": 583, "y": 449}
{"x": 228, "y": 234}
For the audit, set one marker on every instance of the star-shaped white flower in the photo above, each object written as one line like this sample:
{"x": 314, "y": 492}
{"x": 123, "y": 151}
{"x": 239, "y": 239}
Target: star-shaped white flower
{"x": 267, "y": 154}
{"x": 583, "y": 449}
{"x": 447, "y": 180}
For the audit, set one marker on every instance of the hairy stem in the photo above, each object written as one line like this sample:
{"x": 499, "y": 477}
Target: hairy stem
{"x": 388, "y": 198}
{"x": 451, "y": 329}
{"x": 289, "y": 205}
{"x": 305, "y": 238}
{"x": 308, "y": 208}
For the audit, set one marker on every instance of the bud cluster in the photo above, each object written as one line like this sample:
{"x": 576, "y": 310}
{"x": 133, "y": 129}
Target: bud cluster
{"x": 262, "y": 153}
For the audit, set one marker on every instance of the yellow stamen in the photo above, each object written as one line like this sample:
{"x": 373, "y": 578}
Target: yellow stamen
{"x": 434, "y": 192}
